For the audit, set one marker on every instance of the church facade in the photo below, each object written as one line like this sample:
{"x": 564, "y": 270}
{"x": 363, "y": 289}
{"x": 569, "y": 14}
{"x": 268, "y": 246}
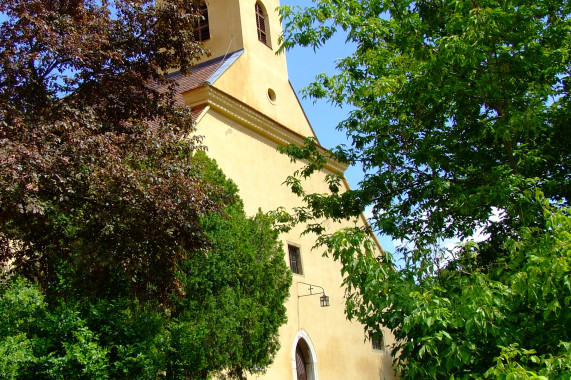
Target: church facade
{"x": 245, "y": 107}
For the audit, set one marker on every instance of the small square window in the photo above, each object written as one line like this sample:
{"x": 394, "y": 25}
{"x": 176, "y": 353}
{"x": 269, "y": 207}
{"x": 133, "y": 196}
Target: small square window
{"x": 378, "y": 343}
{"x": 294, "y": 259}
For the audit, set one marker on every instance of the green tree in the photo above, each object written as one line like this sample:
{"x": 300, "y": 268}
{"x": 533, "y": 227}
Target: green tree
{"x": 234, "y": 295}
{"x": 223, "y": 320}
{"x": 39, "y": 342}
{"x": 460, "y": 122}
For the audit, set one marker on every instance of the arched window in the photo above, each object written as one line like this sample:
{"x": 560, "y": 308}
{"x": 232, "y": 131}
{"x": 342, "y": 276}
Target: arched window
{"x": 261, "y": 24}
{"x": 202, "y": 31}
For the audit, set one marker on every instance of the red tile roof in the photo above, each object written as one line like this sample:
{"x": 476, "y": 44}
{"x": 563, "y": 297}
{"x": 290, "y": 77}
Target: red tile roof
{"x": 205, "y": 72}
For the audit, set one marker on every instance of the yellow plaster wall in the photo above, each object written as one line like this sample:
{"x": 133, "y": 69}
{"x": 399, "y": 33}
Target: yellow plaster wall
{"x": 225, "y": 27}
{"x": 259, "y": 171}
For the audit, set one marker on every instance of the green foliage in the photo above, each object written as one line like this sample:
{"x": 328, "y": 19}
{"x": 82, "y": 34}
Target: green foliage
{"x": 20, "y": 307}
{"x": 234, "y": 294}
{"x": 464, "y": 321}
{"x": 455, "y": 110}
{"x": 460, "y": 122}
{"x": 38, "y": 342}
{"x": 139, "y": 257}
{"x": 224, "y": 317}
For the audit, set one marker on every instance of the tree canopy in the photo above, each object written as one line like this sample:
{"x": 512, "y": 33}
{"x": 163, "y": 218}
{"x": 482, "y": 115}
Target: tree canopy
{"x": 223, "y": 320}
{"x": 95, "y": 176}
{"x": 461, "y": 123}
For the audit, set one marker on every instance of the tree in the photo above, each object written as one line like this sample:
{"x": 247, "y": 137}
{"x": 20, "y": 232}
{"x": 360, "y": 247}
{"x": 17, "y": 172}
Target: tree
{"x": 115, "y": 256}
{"x": 96, "y": 173}
{"x": 461, "y": 126}
{"x": 224, "y": 320}
{"x": 234, "y": 295}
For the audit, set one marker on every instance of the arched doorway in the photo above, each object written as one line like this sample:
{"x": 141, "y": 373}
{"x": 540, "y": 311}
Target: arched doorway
{"x": 300, "y": 363}
{"x": 304, "y": 361}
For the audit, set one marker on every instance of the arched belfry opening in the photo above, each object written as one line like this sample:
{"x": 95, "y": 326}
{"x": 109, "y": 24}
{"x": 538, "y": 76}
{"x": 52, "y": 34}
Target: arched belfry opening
{"x": 304, "y": 360}
{"x": 262, "y": 24}
{"x": 202, "y": 27}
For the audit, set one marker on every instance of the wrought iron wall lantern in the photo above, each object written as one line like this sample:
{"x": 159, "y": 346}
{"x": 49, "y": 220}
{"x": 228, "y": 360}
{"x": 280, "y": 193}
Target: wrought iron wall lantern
{"x": 323, "y": 300}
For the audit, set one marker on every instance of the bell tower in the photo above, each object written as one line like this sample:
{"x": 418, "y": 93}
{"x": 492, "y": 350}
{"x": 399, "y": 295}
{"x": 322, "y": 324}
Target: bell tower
{"x": 249, "y": 30}
{"x": 242, "y": 24}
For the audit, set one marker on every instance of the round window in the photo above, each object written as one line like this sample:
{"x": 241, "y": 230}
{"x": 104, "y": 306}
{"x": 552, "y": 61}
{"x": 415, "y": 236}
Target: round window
{"x": 271, "y": 95}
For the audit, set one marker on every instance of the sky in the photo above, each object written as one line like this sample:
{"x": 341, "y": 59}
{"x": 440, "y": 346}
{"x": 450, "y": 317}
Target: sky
{"x": 303, "y": 65}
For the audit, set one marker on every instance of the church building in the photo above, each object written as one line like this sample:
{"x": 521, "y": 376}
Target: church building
{"x": 245, "y": 107}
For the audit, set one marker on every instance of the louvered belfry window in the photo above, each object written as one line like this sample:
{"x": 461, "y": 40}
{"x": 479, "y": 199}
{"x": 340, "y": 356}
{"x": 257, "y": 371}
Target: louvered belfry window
{"x": 261, "y": 24}
{"x": 202, "y": 31}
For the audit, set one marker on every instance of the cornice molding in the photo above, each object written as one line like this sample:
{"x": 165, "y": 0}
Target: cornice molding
{"x": 256, "y": 122}
{"x": 250, "y": 118}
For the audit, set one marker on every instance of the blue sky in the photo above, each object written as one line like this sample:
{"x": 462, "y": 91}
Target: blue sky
{"x": 303, "y": 65}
